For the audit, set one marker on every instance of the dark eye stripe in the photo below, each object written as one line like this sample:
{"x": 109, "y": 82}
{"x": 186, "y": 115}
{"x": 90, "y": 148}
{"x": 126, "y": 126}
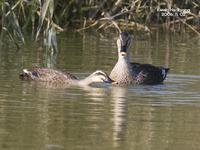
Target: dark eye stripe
{"x": 101, "y": 73}
{"x": 128, "y": 41}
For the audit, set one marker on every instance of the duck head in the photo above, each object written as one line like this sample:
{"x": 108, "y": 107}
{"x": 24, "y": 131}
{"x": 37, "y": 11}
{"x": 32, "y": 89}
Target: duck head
{"x": 100, "y": 76}
{"x": 97, "y": 76}
{"x": 123, "y": 44}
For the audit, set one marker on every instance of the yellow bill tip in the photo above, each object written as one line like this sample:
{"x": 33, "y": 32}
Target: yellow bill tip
{"x": 123, "y": 53}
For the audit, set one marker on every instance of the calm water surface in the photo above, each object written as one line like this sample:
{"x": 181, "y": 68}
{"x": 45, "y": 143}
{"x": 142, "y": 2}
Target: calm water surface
{"x": 102, "y": 117}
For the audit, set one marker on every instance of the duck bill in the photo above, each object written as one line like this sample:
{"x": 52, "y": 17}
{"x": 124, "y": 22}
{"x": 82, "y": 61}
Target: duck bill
{"x": 109, "y": 80}
{"x": 123, "y": 53}
{"x": 114, "y": 82}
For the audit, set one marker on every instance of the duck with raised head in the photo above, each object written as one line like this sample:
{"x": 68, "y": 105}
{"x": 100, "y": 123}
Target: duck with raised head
{"x": 126, "y": 72}
{"x": 59, "y": 77}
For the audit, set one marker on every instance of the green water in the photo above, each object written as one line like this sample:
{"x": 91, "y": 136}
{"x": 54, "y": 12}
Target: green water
{"x": 162, "y": 117}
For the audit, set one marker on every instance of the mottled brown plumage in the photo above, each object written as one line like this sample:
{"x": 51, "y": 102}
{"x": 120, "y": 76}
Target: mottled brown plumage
{"x": 56, "y": 76}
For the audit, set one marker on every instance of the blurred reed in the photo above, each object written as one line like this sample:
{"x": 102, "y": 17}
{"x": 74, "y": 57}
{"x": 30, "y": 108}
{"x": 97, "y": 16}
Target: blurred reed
{"x": 45, "y": 18}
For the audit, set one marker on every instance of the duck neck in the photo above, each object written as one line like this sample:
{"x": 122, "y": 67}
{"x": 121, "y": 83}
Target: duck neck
{"x": 86, "y": 81}
{"x": 123, "y": 59}
{"x": 122, "y": 71}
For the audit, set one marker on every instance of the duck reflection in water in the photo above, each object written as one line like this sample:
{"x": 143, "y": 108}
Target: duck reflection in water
{"x": 120, "y": 110}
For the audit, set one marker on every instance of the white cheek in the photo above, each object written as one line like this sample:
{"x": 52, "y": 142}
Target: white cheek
{"x": 118, "y": 42}
{"x": 96, "y": 79}
{"x": 118, "y": 45}
{"x": 104, "y": 79}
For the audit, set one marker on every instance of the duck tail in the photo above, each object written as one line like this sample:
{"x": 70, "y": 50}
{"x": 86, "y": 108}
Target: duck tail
{"x": 24, "y": 75}
{"x": 164, "y": 72}
{"x": 167, "y": 69}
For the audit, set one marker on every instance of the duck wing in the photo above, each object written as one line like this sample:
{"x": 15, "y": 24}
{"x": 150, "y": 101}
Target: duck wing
{"x": 148, "y": 74}
{"x": 47, "y": 75}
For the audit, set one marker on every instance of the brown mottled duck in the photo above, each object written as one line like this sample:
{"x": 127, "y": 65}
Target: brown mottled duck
{"x": 59, "y": 77}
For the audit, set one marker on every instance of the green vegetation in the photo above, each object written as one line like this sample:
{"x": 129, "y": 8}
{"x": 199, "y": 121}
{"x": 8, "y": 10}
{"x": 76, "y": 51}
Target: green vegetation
{"x": 47, "y": 17}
